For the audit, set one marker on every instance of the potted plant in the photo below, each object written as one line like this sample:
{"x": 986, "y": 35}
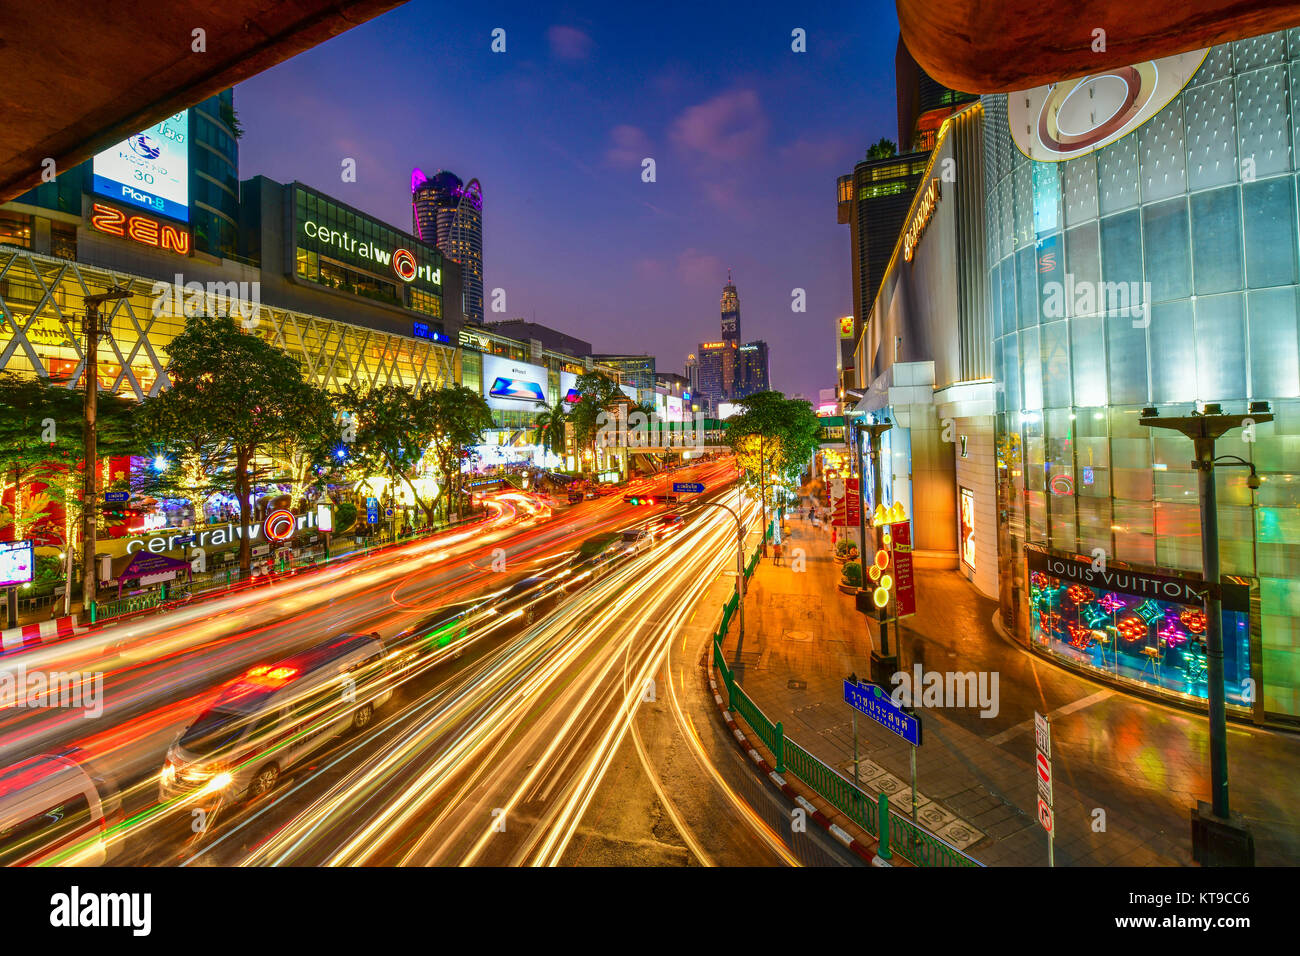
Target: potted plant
{"x": 851, "y": 577}
{"x": 842, "y": 549}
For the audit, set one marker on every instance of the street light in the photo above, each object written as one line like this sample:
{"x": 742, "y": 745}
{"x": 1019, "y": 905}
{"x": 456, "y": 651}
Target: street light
{"x": 90, "y": 434}
{"x": 872, "y": 429}
{"x": 1216, "y": 839}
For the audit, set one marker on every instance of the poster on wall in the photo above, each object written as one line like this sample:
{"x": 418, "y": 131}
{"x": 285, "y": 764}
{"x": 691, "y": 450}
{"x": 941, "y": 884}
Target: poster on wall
{"x": 966, "y": 517}
{"x": 150, "y": 170}
{"x": 509, "y": 385}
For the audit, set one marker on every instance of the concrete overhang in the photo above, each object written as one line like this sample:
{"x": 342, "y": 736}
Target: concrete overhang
{"x": 997, "y": 46}
{"x": 80, "y": 76}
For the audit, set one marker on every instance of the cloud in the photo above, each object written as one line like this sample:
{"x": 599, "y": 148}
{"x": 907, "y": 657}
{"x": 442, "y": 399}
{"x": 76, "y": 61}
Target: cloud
{"x": 568, "y": 43}
{"x": 699, "y": 268}
{"x": 629, "y": 146}
{"x": 825, "y": 152}
{"x": 730, "y": 126}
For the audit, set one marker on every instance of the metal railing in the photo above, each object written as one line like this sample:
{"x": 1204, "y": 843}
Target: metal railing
{"x": 911, "y": 841}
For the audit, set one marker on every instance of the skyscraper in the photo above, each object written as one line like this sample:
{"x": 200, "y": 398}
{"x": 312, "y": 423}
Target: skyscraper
{"x": 449, "y": 214}
{"x": 730, "y": 312}
{"x": 727, "y": 369}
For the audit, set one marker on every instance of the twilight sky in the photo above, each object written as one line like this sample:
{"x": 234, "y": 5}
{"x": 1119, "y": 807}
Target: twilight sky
{"x": 748, "y": 138}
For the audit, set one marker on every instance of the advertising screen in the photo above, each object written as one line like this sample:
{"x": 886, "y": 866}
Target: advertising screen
{"x": 675, "y": 411}
{"x": 568, "y": 388}
{"x": 630, "y": 391}
{"x": 513, "y": 386}
{"x": 17, "y": 563}
{"x": 150, "y": 170}
{"x": 967, "y": 527}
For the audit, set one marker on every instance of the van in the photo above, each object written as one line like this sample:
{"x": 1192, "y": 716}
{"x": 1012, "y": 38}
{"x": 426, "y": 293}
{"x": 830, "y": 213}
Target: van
{"x": 270, "y": 718}
{"x": 56, "y": 808}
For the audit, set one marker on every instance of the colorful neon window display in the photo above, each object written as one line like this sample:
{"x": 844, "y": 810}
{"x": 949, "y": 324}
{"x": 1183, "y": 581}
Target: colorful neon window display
{"x": 1137, "y": 626}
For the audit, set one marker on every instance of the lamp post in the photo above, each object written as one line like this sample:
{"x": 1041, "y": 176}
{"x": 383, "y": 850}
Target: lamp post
{"x": 1216, "y": 838}
{"x": 90, "y": 476}
{"x": 740, "y": 571}
{"x": 873, "y": 430}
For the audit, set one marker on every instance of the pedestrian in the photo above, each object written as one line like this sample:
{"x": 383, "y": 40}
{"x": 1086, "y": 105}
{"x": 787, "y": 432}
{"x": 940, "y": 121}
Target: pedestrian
{"x": 776, "y": 555}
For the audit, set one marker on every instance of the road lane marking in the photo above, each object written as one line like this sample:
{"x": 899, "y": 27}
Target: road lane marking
{"x": 1028, "y": 725}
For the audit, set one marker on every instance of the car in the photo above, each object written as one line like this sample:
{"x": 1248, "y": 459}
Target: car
{"x": 56, "y": 808}
{"x": 637, "y": 541}
{"x": 591, "y": 494}
{"x": 575, "y": 497}
{"x": 275, "y": 715}
{"x": 668, "y": 525}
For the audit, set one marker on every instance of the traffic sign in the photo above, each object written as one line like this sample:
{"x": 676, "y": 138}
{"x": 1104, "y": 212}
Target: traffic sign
{"x": 117, "y": 496}
{"x": 1042, "y": 735}
{"x": 1045, "y": 778}
{"x": 188, "y": 539}
{"x": 1045, "y": 814}
{"x": 875, "y": 703}
{"x": 688, "y": 487}
{"x": 388, "y": 512}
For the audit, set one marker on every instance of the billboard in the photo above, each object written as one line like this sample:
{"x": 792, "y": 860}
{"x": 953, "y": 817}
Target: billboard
{"x": 568, "y": 389}
{"x": 509, "y": 385}
{"x": 150, "y": 170}
{"x": 676, "y": 411}
{"x": 17, "y": 563}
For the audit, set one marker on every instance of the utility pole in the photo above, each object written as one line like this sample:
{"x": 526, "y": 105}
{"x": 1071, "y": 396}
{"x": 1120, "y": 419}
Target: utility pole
{"x": 90, "y": 434}
{"x": 1217, "y": 838}
{"x": 885, "y": 663}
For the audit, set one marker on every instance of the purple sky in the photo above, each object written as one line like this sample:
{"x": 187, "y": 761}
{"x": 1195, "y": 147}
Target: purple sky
{"x": 748, "y": 138}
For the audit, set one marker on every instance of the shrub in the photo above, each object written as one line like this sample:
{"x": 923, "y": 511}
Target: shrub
{"x": 345, "y": 513}
{"x": 842, "y": 547}
{"x": 852, "y": 574}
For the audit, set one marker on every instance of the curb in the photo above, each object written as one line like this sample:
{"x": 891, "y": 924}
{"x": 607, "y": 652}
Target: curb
{"x": 867, "y": 853}
{"x": 42, "y": 632}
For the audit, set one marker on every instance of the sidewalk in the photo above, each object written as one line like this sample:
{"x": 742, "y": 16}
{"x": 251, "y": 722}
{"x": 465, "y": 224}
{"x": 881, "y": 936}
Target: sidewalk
{"x": 1127, "y": 771}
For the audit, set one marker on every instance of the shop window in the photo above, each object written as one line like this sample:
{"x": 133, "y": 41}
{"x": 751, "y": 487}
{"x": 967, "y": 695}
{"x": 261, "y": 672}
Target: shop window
{"x": 1216, "y": 241}
{"x": 1167, "y": 257}
{"x": 15, "y": 230}
{"x": 1269, "y": 219}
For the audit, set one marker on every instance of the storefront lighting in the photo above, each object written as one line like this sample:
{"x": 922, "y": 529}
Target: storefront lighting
{"x": 873, "y": 572}
{"x": 880, "y": 597}
{"x": 882, "y": 559}
{"x": 160, "y": 464}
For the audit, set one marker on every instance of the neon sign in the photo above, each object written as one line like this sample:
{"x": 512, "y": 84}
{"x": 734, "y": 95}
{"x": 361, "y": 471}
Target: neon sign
{"x": 924, "y": 213}
{"x": 138, "y": 228}
{"x": 402, "y": 261}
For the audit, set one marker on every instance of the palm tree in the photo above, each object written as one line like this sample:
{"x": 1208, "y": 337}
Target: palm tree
{"x": 549, "y": 429}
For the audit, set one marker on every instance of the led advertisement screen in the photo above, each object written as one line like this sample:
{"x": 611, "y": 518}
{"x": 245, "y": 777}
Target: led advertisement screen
{"x": 509, "y": 385}
{"x": 568, "y": 388}
{"x": 150, "y": 170}
{"x": 17, "y": 563}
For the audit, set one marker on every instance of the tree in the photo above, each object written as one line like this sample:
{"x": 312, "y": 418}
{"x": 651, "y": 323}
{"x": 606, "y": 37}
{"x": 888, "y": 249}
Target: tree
{"x": 596, "y": 394}
{"x": 41, "y": 445}
{"x": 394, "y": 427}
{"x": 314, "y": 453}
{"x": 460, "y": 417}
{"x": 773, "y": 438}
{"x": 231, "y": 390}
{"x": 549, "y": 429}
{"x": 882, "y": 149}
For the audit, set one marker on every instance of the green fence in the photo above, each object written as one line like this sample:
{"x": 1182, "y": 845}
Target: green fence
{"x": 913, "y": 842}
{"x": 140, "y": 602}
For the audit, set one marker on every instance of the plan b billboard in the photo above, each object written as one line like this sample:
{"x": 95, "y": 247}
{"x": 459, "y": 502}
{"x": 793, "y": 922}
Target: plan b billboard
{"x": 150, "y": 170}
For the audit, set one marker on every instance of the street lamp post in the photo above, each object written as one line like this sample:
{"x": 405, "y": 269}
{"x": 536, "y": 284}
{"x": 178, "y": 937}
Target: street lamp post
{"x": 1216, "y": 840}
{"x": 873, "y": 430}
{"x": 90, "y": 435}
{"x": 740, "y": 570}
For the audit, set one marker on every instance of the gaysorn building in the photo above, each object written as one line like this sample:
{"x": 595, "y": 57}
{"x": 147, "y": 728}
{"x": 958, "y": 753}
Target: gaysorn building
{"x": 1142, "y": 251}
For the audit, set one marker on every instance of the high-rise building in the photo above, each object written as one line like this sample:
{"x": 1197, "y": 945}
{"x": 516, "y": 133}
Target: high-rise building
{"x": 752, "y": 367}
{"x": 730, "y": 312}
{"x": 449, "y": 214}
{"x": 874, "y": 199}
{"x": 638, "y": 370}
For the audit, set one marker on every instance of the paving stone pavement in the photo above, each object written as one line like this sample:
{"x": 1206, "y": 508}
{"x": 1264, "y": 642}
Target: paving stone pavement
{"x": 1127, "y": 771}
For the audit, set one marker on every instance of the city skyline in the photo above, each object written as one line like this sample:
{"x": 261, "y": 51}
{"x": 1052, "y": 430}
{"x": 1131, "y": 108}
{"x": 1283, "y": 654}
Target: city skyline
{"x": 745, "y": 158}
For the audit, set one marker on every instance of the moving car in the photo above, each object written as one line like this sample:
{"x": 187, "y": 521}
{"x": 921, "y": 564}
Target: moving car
{"x": 637, "y": 540}
{"x": 667, "y": 526}
{"x": 273, "y": 716}
{"x": 56, "y": 808}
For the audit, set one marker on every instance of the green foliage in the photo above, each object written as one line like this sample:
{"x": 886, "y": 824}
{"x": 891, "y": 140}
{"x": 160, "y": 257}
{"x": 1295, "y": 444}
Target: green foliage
{"x": 598, "y": 394}
{"x": 233, "y": 396}
{"x": 773, "y": 435}
{"x": 549, "y": 430}
{"x": 842, "y": 546}
{"x": 882, "y": 149}
{"x": 345, "y": 515}
{"x": 851, "y": 574}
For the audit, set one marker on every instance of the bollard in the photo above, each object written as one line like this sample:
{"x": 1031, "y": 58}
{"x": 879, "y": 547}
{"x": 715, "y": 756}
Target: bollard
{"x": 883, "y": 827}
{"x": 780, "y": 748}
{"x": 92, "y": 612}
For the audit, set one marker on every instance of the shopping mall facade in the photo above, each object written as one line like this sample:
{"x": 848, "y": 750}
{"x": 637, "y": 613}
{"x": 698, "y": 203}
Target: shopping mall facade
{"x": 1134, "y": 241}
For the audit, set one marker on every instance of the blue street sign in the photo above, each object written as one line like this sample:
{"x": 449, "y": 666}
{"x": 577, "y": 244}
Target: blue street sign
{"x": 372, "y": 517}
{"x": 388, "y": 512}
{"x": 689, "y": 487}
{"x": 875, "y": 703}
{"x": 186, "y": 540}
{"x": 117, "y": 496}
